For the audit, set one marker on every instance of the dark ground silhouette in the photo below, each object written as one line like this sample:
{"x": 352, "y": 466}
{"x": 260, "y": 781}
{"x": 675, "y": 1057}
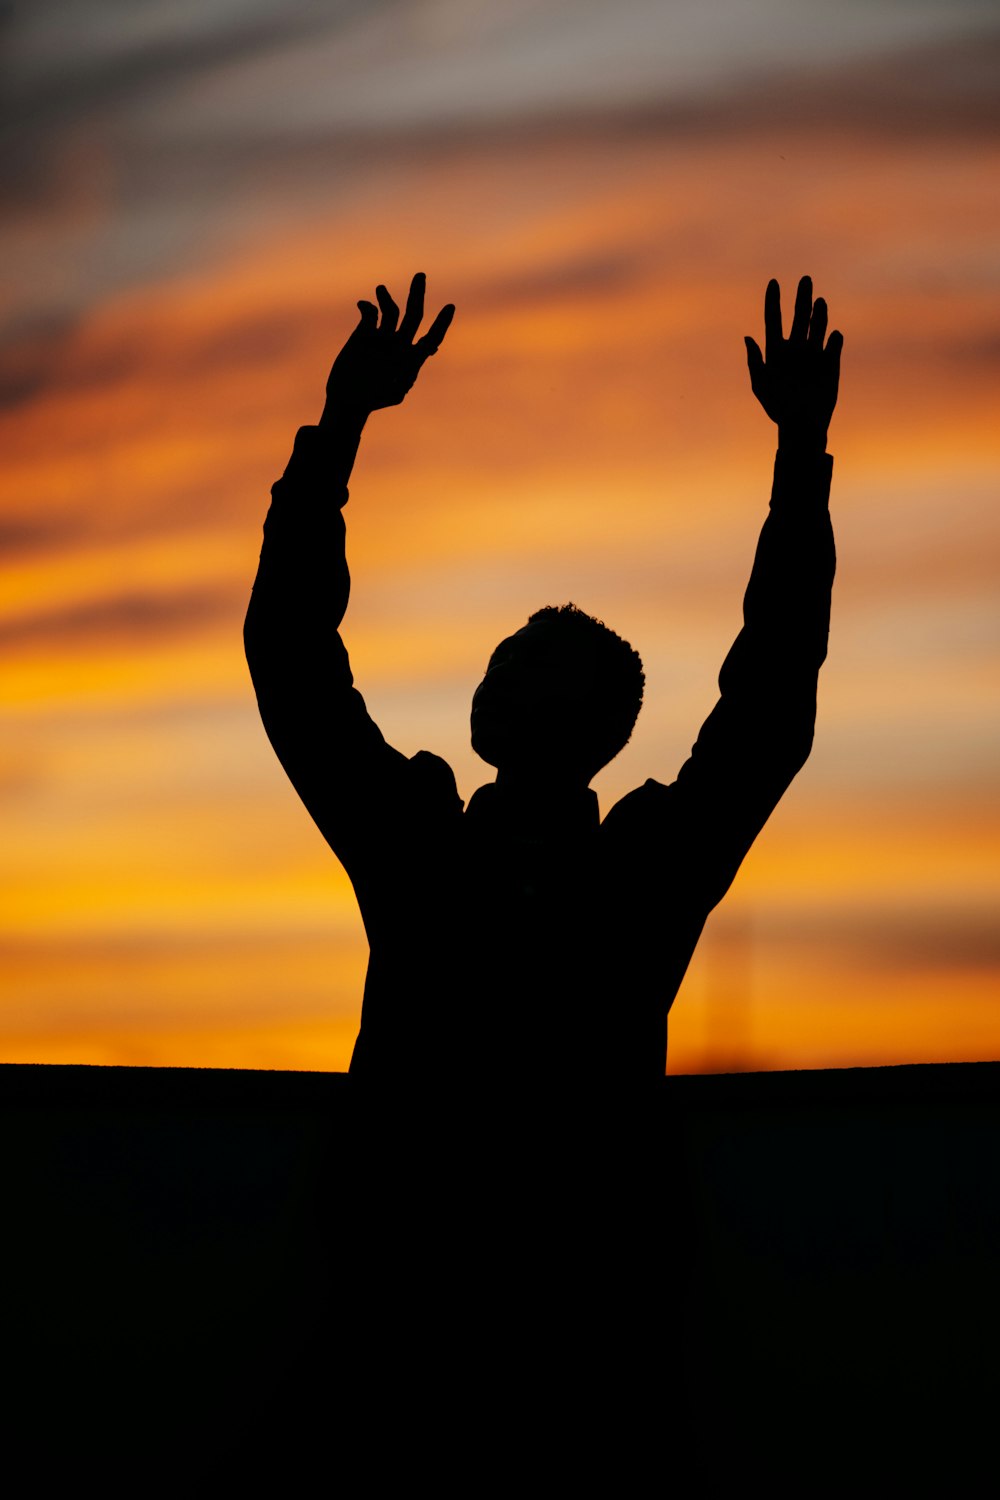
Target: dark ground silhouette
{"x": 522, "y": 935}
{"x": 225, "y": 1283}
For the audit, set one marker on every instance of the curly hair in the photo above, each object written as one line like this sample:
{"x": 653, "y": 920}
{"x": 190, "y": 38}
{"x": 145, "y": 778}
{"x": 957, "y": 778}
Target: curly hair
{"x": 618, "y": 678}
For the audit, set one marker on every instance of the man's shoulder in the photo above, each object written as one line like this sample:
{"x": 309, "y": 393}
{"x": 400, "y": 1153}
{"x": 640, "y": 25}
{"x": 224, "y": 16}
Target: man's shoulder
{"x": 400, "y": 798}
{"x": 434, "y": 778}
{"x": 640, "y": 811}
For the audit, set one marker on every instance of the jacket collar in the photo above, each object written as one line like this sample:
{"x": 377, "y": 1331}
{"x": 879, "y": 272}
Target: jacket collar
{"x": 570, "y": 813}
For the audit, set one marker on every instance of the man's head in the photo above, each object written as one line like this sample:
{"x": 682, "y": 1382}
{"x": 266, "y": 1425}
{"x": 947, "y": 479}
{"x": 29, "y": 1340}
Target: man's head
{"x": 560, "y": 697}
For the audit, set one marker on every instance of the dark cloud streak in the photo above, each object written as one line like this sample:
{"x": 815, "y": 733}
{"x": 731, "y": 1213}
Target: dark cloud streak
{"x": 946, "y": 89}
{"x": 124, "y": 615}
{"x": 40, "y": 101}
{"x": 22, "y": 537}
{"x": 100, "y": 199}
{"x": 901, "y": 943}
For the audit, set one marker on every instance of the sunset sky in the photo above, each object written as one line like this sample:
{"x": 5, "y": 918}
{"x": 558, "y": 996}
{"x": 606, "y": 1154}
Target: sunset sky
{"x": 195, "y": 196}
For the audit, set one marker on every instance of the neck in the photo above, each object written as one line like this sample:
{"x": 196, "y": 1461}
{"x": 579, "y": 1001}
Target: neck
{"x": 542, "y": 786}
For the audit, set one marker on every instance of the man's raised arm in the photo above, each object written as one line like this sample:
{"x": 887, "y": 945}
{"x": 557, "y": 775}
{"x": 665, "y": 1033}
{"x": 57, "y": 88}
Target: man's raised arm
{"x": 315, "y": 719}
{"x": 760, "y": 732}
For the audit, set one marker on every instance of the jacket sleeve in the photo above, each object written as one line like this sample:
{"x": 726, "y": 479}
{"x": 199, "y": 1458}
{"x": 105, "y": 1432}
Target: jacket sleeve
{"x": 333, "y": 753}
{"x": 760, "y": 731}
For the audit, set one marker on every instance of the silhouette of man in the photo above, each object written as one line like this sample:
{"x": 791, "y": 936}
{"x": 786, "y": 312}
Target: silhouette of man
{"x": 522, "y": 938}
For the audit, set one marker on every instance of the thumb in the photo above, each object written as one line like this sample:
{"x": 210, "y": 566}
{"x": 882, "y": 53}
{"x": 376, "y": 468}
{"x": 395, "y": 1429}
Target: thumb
{"x": 755, "y": 362}
{"x": 369, "y": 317}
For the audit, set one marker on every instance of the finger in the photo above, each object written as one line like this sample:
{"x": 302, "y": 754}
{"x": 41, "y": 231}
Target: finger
{"x": 772, "y": 319}
{"x": 803, "y": 307}
{"x": 755, "y": 362}
{"x": 817, "y": 327}
{"x": 390, "y": 312}
{"x": 431, "y": 341}
{"x": 834, "y": 347}
{"x": 414, "y": 307}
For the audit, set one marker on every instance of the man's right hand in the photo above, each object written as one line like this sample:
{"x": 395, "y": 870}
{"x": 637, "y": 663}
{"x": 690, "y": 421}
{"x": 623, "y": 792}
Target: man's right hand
{"x": 380, "y": 361}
